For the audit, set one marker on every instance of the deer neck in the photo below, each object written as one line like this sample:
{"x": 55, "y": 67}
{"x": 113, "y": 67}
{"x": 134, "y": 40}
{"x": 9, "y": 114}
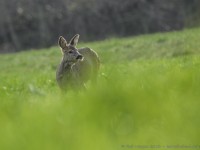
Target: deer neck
{"x": 67, "y": 67}
{"x": 64, "y": 70}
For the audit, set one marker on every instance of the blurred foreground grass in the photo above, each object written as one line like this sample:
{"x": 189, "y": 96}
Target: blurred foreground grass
{"x": 145, "y": 95}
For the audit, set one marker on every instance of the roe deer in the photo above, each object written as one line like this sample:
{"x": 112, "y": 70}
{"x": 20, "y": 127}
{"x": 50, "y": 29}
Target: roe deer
{"x": 77, "y": 65}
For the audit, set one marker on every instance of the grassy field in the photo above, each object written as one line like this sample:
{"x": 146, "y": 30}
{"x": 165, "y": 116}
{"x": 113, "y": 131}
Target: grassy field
{"x": 147, "y": 94}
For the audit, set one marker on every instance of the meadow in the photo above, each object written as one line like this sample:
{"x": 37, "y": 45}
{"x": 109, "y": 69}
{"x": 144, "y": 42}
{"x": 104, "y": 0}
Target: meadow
{"x": 147, "y": 97}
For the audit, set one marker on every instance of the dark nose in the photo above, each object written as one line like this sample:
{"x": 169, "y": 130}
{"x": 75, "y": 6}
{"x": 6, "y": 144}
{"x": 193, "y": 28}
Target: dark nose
{"x": 79, "y": 57}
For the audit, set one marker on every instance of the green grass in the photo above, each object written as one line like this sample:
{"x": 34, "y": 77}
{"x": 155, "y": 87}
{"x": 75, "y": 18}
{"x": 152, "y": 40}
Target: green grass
{"x": 147, "y": 94}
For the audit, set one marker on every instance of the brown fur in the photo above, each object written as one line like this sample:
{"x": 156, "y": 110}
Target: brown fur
{"x": 77, "y": 65}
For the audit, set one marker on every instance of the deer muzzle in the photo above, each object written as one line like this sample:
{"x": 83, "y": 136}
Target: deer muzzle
{"x": 79, "y": 57}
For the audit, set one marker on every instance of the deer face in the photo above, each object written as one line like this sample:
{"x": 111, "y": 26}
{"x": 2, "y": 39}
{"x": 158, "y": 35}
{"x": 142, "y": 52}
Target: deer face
{"x": 69, "y": 51}
{"x": 71, "y": 54}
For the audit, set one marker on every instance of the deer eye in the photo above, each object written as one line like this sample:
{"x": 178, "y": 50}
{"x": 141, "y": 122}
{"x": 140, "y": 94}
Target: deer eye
{"x": 70, "y": 52}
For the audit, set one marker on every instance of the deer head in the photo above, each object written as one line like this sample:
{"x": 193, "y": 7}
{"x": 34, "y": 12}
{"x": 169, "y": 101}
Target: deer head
{"x": 69, "y": 50}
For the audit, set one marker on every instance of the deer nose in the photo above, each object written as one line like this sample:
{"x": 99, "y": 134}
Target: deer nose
{"x": 79, "y": 57}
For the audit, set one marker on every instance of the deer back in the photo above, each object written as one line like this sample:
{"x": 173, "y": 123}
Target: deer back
{"x": 88, "y": 68}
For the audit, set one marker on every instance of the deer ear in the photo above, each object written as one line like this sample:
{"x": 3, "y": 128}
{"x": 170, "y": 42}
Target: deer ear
{"x": 62, "y": 42}
{"x": 74, "y": 40}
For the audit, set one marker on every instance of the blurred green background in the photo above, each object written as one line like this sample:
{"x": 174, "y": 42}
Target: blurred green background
{"x": 147, "y": 94}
